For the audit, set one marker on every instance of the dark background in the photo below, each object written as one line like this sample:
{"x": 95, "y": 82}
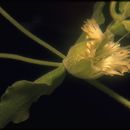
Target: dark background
{"x": 75, "y": 104}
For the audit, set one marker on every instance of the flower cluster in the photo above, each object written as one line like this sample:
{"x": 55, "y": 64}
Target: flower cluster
{"x": 97, "y": 55}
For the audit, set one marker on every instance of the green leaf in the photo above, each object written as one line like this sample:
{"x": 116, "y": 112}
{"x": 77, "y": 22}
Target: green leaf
{"x": 17, "y": 99}
{"x": 98, "y": 12}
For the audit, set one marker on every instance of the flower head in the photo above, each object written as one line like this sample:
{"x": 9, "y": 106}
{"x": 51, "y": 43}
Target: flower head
{"x": 97, "y": 56}
{"x": 92, "y": 30}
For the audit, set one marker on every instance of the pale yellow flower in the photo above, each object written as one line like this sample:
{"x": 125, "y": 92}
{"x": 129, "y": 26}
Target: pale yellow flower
{"x": 113, "y": 59}
{"x": 97, "y": 56}
{"x": 92, "y": 29}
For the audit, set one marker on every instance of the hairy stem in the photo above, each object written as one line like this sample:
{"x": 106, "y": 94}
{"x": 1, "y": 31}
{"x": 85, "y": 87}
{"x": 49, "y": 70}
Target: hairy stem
{"x": 110, "y": 92}
{"x": 29, "y": 34}
{"x": 28, "y": 60}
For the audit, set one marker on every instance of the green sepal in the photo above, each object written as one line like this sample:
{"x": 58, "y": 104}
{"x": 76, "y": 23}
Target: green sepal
{"x": 98, "y": 12}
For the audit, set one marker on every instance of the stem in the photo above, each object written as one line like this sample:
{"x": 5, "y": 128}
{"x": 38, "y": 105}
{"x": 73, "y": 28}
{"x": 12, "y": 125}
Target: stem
{"x": 29, "y": 60}
{"x": 29, "y": 34}
{"x": 110, "y": 92}
{"x": 113, "y": 12}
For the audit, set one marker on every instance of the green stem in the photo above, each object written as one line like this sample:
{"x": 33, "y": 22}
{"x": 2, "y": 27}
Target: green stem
{"x": 29, "y": 60}
{"x": 29, "y": 34}
{"x": 114, "y": 14}
{"x": 110, "y": 92}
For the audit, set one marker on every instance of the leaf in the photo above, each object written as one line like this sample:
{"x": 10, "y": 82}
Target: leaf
{"x": 98, "y": 12}
{"x": 18, "y": 98}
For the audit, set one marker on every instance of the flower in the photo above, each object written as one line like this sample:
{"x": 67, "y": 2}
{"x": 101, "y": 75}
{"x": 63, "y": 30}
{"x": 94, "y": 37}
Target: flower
{"x": 91, "y": 28}
{"x": 97, "y": 55}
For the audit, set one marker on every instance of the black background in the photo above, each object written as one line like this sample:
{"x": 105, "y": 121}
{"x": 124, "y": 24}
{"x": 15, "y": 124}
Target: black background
{"x": 75, "y": 104}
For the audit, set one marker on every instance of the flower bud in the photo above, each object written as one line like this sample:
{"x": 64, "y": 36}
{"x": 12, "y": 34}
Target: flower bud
{"x": 120, "y": 28}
